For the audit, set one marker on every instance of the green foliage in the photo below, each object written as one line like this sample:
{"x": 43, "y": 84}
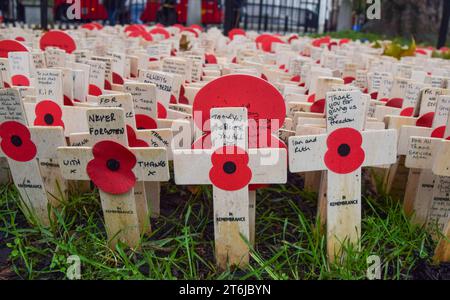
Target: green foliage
{"x": 290, "y": 243}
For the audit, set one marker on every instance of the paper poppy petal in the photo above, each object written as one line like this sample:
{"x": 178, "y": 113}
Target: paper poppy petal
{"x": 48, "y": 113}
{"x": 14, "y": 131}
{"x": 20, "y": 80}
{"x": 426, "y": 120}
{"x": 162, "y": 112}
{"x": 296, "y": 78}
{"x": 438, "y": 132}
{"x": 94, "y": 90}
{"x": 348, "y": 79}
{"x": 117, "y": 79}
{"x": 7, "y": 46}
{"x": 58, "y": 39}
{"x": 311, "y": 98}
{"x": 67, "y": 101}
{"x": 144, "y": 122}
{"x": 407, "y": 112}
{"x": 108, "y": 85}
{"x": 211, "y": 59}
{"x": 318, "y": 106}
{"x": 395, "y": 102}
{"x": 133, "y": 141}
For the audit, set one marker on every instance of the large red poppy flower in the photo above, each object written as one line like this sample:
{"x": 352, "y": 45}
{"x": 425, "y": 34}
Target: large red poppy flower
{"x": 48, "y": 113}
{"x": 144, "y": 122}
{"x": 117, "y": 78}
{"x": 235, "y": 32}
{"x": 16, "y": 141}
{"x": 111, "y": 170}
{"x": 133, "y": 141}
{"x": 58, "y": 39}
{"x": 161, "y": 31}
{"x": 94, "y": 90}
{"x": 318, "y": 106}
{"x": 439, "y": 132}
{"x": 395, "y": 102}
{"x": 407, "y": 112}
{"x": 7, "y": 46}
{"x": 230, "y": 171}
{"x": 344, "y": 154}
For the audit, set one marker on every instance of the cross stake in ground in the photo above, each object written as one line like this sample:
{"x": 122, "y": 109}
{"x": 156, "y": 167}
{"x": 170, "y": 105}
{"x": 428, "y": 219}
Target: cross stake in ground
{"x": 115, "y": 169}
{"x": 230, "y": 167}
{"x": 342, "y": 152}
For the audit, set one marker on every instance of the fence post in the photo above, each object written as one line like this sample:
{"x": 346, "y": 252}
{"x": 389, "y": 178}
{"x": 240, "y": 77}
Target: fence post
{"x": 44, "y": 14}
{"x": 443, "y": 31}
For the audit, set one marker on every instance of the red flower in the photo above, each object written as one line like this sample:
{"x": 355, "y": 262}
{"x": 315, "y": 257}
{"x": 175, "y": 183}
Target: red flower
{"x": 395, "y": 102}
{"x": 426, "y": 120}
{"x": 48, "y": 113}
{"x": 318, "y": 106}
{"x": 20, "y": 80}
{"x": 162, "y": 111}
{"x": 133, "y": 141}
{"x": 117, "y": 79}
{"x": 438, "y": 132}
{"x": 296, "y": 78}
{"x": 16, "y": 141}
{"x": 349, "y": 79}
{"x": 407, "y": 112}
{"x": 344, "y": 154}
{"x": 230, "y": 171}
{"x": 111, "y": 170}
{"x": 144, "y": 122}
{"x": 94, "y": 90}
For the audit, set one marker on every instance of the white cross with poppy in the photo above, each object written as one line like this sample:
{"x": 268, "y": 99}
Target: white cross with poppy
{"x": 31, "y": 155}
{"x": 431, "y": 154}
{"x": 230, "y": 167}
{"x": 342, "y": 152}
{"x": 115, "y": 169}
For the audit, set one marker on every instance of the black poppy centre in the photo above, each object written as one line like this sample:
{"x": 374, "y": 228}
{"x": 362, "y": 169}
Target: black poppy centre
{"x": 113, "y": 164}
{"x": 48, "y": 118}
{"x": 229, "y": 167}
{"x": 16, "y": 141}
{"x": 344, "y": 150}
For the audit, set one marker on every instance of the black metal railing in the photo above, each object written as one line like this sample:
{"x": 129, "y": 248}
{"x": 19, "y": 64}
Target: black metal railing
{"x": 281, "y": 16}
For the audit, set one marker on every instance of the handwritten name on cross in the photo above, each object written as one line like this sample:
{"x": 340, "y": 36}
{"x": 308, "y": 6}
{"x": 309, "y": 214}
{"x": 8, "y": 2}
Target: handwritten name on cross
{"x": 115, "y": 169}
{"x": 342, "y": 152}
{"x": 230, "y": 167}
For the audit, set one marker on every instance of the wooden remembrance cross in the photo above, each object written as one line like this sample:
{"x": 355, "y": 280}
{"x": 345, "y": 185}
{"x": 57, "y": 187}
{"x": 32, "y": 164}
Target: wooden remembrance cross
{"x": 114, "y": 168}
{"x": 342, "y": 152}
{"x": 230, "y": 166}
{"x": 30, "y": 152}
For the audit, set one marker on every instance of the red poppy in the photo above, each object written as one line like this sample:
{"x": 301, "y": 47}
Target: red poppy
{"x": 407, "y": 112}
{"x": 263, "y": 76}
{"x": 318, "y": 106}
{"x": 133, "y": 141}
{"x": 162, "y": 111}
{"x": 20, "y": 80}
{"x": 234, "y": 60}
{"x": 426, "y": 120}
{"x": 16, "y": 141}
{"x": 292, "y": 38}
{"x": 349, "y": 79}
{"x": 211, "y": 59}
{"x": 266, "y": 41}
{"x": 144, "y": 122}
{"x": 230, "y": 171}
{"x": 117, "y": 79}
{"x": 48, "y": 113}
{"x": 111, "y": 170}
{"x": 311, "y": 98}
{"x": 94, "y": 90}
{"x": 191, "y": 30}
{"x": 296, "y": 78}
{"x": 196, "y": 26}
{"x": 7, "y": 46}
{"x": 344, "y": 41}
{"x": 344, "y": 154}
{"x": 67, "y": 101}
{"x": 438, "y": 132}
{"x": 395, "y": 102}
{"x": 330, "y": 45}
{"x": 58, "y": 39}
{"x": 20, "y": 39}
{"x": 235, "y": 32}
{"x": 320, "y": 41}
{"x": 107, "y": 85}
{"x": 183, "y": 99}
{"x": 374, "y": 95}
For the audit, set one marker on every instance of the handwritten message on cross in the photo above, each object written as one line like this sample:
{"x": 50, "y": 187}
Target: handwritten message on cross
{"x": 343, "y": 151}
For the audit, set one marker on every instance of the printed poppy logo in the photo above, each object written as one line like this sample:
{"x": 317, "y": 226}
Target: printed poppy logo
{"x": 16, "y": 141}
{"x": 48, "y": 113}
{"x": 344, "y": 154}
{"x": 133, "y": 141}
{"x": 230, "y": 171}
{"x": 20, "y": 80}
{"x": 144, "y": 122}
{"x": 111, "y": 170}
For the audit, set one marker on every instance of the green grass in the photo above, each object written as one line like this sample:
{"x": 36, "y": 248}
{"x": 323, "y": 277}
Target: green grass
{"x": 290, "y": 244}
